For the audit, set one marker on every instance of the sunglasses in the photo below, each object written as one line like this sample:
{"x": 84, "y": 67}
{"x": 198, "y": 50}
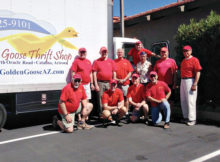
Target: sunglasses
{"x": 134, "y": 78}
{"x": 152, "y": 76}
{"x": 185, "y": 50}
{"x": 77, "y": 80}
{"x": 83, "y": 52}
{"x": 113, "y": 84}
{"x": 162, "y": 51}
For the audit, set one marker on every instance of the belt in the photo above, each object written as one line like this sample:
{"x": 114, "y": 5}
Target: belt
{"x": 103, "y": 81}
{"x": 188, "y": 78}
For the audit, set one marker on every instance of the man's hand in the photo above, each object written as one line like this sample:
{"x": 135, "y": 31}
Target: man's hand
{"x": 163, "y": 99}
{"x": 115, "y": 111}
{"x": 68, "y": 118}
{"x": 92, "y": 87}
{"x": 138, "y": 105}
{"x": 174, "y": 86}
{"x": 193, "y": 88}
{"x": 121, "y": 81}
{"x": 97, "y": 88}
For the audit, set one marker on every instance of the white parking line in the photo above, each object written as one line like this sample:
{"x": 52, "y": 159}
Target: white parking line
{"x": 28, "y": 137}
{"x": 206, "y": 157}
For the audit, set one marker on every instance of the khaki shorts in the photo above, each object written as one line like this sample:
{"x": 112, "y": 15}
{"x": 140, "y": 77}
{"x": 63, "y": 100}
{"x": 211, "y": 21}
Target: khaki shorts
{"x": 68, "y": 125}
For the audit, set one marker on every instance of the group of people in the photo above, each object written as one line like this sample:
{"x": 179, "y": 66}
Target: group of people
{"x": 150, "y": 87}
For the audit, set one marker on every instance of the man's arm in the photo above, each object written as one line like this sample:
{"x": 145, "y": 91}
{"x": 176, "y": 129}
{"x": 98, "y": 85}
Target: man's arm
{"x": 95, "y": 81}
{"x": 92, "y": 82}
{"x": 168, "y": 95}
{"x": 106, "y": 107}
{"x": 129, "y": 74}
{"x": 64, "y": 111}
{"x": 132, "y": 102}
{"x": 155, "y": 55}
{"x": 114, "y": 75}
{"x": 151, "y": 99}
{"x": 196, "y": 80}
{"x": 120, "y": 104}
{"x": 174, "y": 79}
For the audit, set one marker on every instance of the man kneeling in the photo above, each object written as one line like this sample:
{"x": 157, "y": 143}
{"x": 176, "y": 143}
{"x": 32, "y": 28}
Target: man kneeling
{"x": 72, "y": 98}
{"x": 113, "y": 103}
{"x": 136, "y": 99}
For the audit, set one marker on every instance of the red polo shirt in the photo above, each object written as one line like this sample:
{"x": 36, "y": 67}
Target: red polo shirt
{"x": 165, "y": 70}
{"x": 72, "y": 97}
{"x": 136, "y": 54}
{"x": 189, "y": 67}
{"x": 123, "y": 67}
{"x": 104, "y": 69}
{"x": 136, "y": 93}
{"x": 157, "y": 91}
{"x": 112, "y": 98}
{"x": 82, "y": 67}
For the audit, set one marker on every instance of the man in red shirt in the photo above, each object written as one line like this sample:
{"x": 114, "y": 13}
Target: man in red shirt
{"x": 72, "y": 98}
{"x": 135, "y": 53}
{"x": 123, "y": 72}
{"x": 136, "y": 98}
{"x": 166, "y": 69}
{"x": 158, "y": 93}
{"x": 83, "y": 66}
{"x": 103, "y": 71}
{"x": 113, "y": 102}
{"x": 190, "y": 73}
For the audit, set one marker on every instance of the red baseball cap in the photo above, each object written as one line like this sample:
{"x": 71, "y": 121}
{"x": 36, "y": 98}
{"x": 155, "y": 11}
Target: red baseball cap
{"x": 135, "y": 75}
{"x": 165, "y": 49}
{"x": 187, "y": 48}
{"x": 153, "y": 73}
{"x": 82, "y": 49}
{"x": 113, "y": 81}
{"x": 77, "y": 76}
{"x": 103, "y": 49}
{"x": 138, "y": 42}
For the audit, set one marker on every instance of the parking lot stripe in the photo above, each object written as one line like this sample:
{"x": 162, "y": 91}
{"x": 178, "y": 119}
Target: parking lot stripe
{"x": 27, "y": 137}
{"x": 206, "y": 157}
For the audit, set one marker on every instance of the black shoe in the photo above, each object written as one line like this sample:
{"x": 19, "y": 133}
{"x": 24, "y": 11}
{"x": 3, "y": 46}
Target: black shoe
{"x": 146, "y": 121}
{"x": 116, "y": 119}
{"x": 127, "y": 119}
{"x": 54, "y": 122}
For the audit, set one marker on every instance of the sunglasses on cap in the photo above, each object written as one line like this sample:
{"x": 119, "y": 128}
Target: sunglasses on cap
{"x": 152, "y": 75}
{"x": 77, "y": 80}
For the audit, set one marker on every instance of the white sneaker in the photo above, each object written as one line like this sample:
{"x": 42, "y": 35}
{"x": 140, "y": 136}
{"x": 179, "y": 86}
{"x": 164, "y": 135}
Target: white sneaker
{"x": 191, "y": 123}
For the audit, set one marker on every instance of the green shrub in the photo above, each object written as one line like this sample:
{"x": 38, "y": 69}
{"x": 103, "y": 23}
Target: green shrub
{"x": 204, "y": 37}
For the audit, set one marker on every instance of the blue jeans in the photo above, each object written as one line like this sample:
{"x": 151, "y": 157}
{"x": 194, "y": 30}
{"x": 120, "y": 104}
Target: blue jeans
{"x": 157, "y": 116}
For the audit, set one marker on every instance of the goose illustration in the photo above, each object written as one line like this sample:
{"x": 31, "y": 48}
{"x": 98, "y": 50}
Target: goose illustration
{"x": 24, "y": 43}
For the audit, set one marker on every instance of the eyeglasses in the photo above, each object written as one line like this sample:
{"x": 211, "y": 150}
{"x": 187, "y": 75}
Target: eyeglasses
{"x": 83, "y": 52}
{"x": 162, "y": 51}
{"x": 134, "y": 78}
{"x": 77, "y": 80}
{"x": 152, "y": 76}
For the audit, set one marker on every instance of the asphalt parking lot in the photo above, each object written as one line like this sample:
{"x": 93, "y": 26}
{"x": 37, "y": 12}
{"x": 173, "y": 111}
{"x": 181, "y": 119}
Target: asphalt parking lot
{"x": 129, "y": 142}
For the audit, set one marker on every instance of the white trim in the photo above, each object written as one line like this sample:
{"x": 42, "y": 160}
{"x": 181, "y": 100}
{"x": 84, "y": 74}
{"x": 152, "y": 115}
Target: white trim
{"x": 206, "y": 157}
{"x": 27, "y": 137}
